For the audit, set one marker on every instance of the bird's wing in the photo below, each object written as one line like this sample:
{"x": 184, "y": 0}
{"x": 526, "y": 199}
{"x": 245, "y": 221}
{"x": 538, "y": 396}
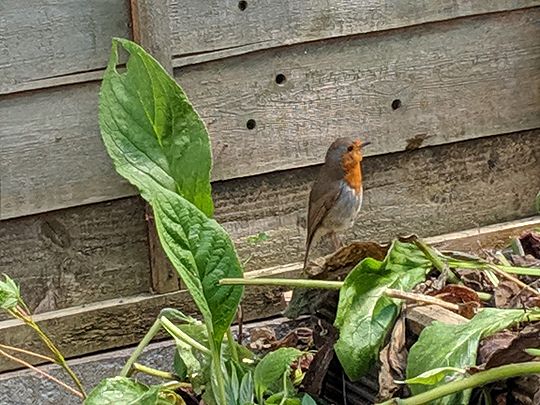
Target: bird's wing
{"x": 321, "y": 200}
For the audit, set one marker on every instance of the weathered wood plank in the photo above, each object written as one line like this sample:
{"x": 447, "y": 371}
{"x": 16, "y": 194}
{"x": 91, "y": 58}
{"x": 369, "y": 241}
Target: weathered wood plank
{"x": 119, "y": 322}
{"x": 445, "y": 87}
{"x": 42, "y": 39}
{"x": 78, "y": 255}
{"x": 428, "y": 191}
{"x": 201, "y": 27}
{"x": 450, "y": 90}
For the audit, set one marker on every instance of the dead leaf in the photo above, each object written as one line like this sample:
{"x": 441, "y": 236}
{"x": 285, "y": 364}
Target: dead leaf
{"x": 262, "y": 338}
{"x": 530, "y": 242}
{"x": 393, "y": 360}
{"x": 510, "y": 295}
{"x": 301, "y": 338}
{"x": 465, "y": 297}
{"x": 508, "y": 347}
{"x": 475, "y": 280}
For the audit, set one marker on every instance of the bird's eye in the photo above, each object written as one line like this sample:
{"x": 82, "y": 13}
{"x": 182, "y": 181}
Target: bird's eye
{"x": 350, "y": 148}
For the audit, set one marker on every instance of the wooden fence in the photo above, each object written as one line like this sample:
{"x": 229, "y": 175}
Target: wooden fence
{"x": 447, "y": 91}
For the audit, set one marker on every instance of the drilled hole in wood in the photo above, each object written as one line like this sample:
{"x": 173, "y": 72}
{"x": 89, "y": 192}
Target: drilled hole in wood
{"x": 242, "y": 5}
{"x": 396, "y": 104}
{"x": 280, "y": 79}
{"x": 251, "y": 124}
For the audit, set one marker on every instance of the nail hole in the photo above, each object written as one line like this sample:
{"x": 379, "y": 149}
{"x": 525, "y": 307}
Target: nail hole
{"x": 242, "y": 5}
{"x": 251, "y": 124}
{"x": 396, "y": 104}
{"x": 280, "y": 78}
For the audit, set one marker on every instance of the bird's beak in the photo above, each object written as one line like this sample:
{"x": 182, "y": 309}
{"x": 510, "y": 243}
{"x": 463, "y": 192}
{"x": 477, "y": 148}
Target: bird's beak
{"x": 365, "y": 143}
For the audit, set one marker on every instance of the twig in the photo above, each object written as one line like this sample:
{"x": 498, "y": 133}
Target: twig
{"x": 126, "y": 370}
{"x": 28, "y": 352}
{"x": 514, "y": 279}
{"x": 475, "y": 380}
{"x": 426, "y": 299}
{"x": 282, "y": 282}
{"x": 42, "y": 373}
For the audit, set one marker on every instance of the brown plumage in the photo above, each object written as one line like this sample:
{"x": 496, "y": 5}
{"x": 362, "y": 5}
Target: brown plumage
{"x": 336, "y": 195}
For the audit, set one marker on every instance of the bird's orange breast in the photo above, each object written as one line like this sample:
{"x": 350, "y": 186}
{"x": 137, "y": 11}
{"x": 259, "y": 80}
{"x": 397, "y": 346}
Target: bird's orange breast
{"x": 352, "y": 171}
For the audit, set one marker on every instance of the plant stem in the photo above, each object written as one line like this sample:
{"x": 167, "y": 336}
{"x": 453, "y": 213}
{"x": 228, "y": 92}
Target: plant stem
{"x": 524, "y": 271}
{"x": 475, "y": 380}
{"x": 431, "y": 254}
{"x": 42, "y": 373}
{"x": 28, "y": 352}
{"x": 154, "y": 372}
{"x": 285, "y": 282}
{"x": 484, "y": 296}
{"x": 389, "y": 292}
{"x": 140, "y": 347}
{"x": 232, "y": 346}
{"x": 514, "y": 279}
{"x": 22, "y": 315}
{"x": 176, "y": 332}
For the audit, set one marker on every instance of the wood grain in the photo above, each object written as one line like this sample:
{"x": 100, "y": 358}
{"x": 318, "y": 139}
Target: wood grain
{"x": 427, "y": 191}
{"x": 77, "y": 256}
{"x": 202, "y": 27}
{"x": 43, "y": 39}
{"x": 450, "y": 89}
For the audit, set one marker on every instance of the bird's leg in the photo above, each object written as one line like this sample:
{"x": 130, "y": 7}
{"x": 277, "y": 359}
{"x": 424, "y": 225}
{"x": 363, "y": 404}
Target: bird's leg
{"x": 337, "y": 242}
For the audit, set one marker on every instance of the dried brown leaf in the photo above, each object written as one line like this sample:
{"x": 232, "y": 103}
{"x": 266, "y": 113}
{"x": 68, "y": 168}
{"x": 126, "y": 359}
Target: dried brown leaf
{"x": 508, "y": 347}
{"x": 393, "y": 360}
{"x": 530, "y": 241}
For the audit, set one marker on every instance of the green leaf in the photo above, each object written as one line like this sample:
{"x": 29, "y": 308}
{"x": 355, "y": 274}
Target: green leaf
{"x": 533, "y": 352}
{"x": 191, "y": 362}
{"x": 365, "y": 315}
{"x": 247, "y": 389}
{"x": 151, "y": 131}
{"x": 10, "y": 294}
{"x": 434, "y": 376}
{"x": 444, "y": 345}
{"x": 116, "y": 391}
{"x": 307, "y": 400}
{"x": 202, "y": 252}
{"x": 272, "y": 367}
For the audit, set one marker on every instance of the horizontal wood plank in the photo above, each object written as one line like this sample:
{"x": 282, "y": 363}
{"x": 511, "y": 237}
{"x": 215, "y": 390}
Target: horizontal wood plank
{"x": 206, "y": 28}
{"x": 444, "y": 85}
{"x": 44, "y": 39}
{"x": 449, "y": 89}
{"x": 86, "y": 254}
{"x": 79, "y": 255}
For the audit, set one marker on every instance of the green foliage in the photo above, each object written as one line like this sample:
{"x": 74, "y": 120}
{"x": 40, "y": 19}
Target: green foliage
{"x": 202, "y": 252}
{"x": 152, "y": 133}
{"x": 124, "y": 391}
{"x": 444, "y": 345}
{"x": 434, "y": 376}
{"x": 272, "y": 368}
{"x": 365, "y": 315}
{"x": 10, "y": 294}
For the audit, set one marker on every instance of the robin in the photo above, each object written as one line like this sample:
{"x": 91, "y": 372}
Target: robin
{"x": 336, "y": 195}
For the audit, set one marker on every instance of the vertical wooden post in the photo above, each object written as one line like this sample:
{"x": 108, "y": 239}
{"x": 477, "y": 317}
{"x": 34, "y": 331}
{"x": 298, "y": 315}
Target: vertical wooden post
{"x": 151, "y": 30}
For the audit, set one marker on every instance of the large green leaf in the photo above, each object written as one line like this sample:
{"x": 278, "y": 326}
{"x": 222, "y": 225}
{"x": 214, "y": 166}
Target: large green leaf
{"x": 272, "y": 367}
{"x": 202, "y": 252}
{"x": 443, "y": 345}
{"x": 151, "y": 131}
{"x": 365, "y": 315}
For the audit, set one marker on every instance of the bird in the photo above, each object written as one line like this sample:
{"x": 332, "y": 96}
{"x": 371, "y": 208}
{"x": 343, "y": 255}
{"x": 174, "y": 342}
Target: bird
{"x": 336, "y": 195}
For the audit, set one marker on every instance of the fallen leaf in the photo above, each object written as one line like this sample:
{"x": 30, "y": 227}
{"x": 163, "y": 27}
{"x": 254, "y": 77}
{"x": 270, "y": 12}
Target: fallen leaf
{"x": 262, "y": 338}
{"x": 510, "y": 295}
{"x": 530, "y": 242}
{"x": 393, "y": 358}
{"x": 301, "y": 338}
{"x": 475, "y": 280}
{"x": 508, "y": 347}
{"x": 465, "y": 297}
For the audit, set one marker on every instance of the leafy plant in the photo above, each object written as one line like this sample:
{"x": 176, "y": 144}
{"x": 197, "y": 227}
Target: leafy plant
{"x": 444, "y": 345}
{"x": 365, "y": 314}
{"x": 158, "y": 143}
